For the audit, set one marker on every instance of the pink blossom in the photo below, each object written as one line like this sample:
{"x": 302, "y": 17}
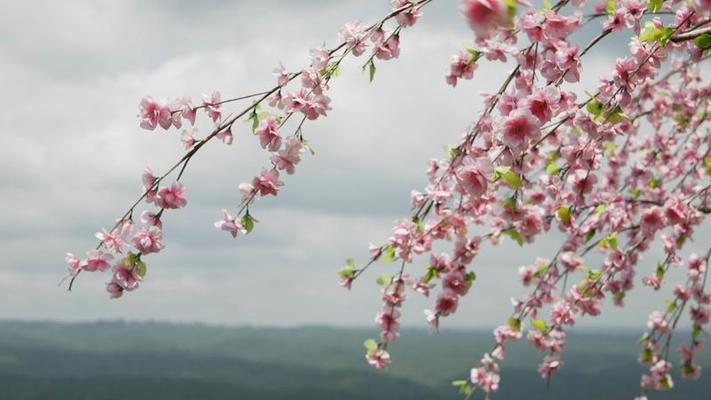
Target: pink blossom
{"x": 148, "y": 240}
{"x": 281, "y": 74}
{"x": 289, "y": 156}
{"x": 151, "y": 219}
{"x": 267, "y": 183}
{"x": 549, "y": 366}
{"x": 473, "y": 174}
{"x": 519, "y": 129}
{"x": 485, "y": 16}
{"x": 171, "y": 197}
{"x": 188, "y": 138}
{"x": 229, "y": 224}
{"x": 652, "y": 220}
{"x": 407, "y": 17}
{"x": 115, "y": 290}
{"x": 154, "y": 113}
{"x": 353, "y": 34}
{"x": 446, "y": 303}
{"x": 225, "y": 135}
{"x": 379, "y": 359}
{"x": 127, "y": 277}
{"x": 268, "y": 133}
{"x": 320, "y": 58}
{"x": 487, "y": 381}
{"x": 73, "y": 262}
{"x": 97, "y": 260}
{"x": 212, "y": 105}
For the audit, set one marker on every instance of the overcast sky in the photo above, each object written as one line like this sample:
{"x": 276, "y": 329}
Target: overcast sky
{"x": 72, "y": 155}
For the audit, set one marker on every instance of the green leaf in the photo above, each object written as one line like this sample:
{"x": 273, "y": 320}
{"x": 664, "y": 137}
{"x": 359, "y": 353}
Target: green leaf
{"x": 420, "y": 225}
{"x": 652, "y": 33}
{"x": 542, "y": 270}
{"x": 371, "y": 346}
{"x": 600, "y": 209}
{"x": 615, "y": 115}
{"x": 141, "y": 268}
{"x": 248, "y": 223}
{"x": 660, "y": 271}
{"x": 552, "y": 168}
{"x": 609, "y": 241}
{"x": 611, "y": 7}
{"x": 371, "y": 70}
{"x": 452, "y": 151}
{"x": 510, "y": 177}
{"x": 595, "y": 107}
{"x": 131, "y": 259}
{"x": 464, "y": 387}
{"x": 539, "y": 324}
{"x": 389, "y": 254}
{"x": 514, "y": 234}
{"x": 383, "y": 279}
{"x": 474, "y": 52}
{"x": 635, "y": 192}
{"x": 349, "y": 270}
{"x": 590, "y": 235}
{"x": 515, "y": 324}
{"x": 654, "y": 5}
{"x": 470, "y": 277}
{"x": 703, "y": 41}
{"x": 671, "y": 305}
{"x": 564, "y": 213}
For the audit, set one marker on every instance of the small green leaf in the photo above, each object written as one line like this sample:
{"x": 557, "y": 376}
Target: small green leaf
{"x": 611, "y": 7}
{"x": 600, "y": 209}
{"x": 371, "y": 70}
{"x": 389, "y": 254}
{"x": 141, "y": 268}
{"x": 552, "y": 168}
{"x": 452, "y": 151}
{"x": 564, "y": 214}
{"x": 474, "y": 52}
{"x": 383, "y": 279}
{"x": 248, "y": 223}
{"x": 595, "y": 107}
{"x": 591, "y": 233}
{"x": 542, "y": 270}
{"x": 635, "y": 192}
{"x": 703, "y": 41}
{"x": 671, "y": 305}
{"x": 515, "y": 324}
{"x": 470, "y": 277}
{"x": 654, "y": 5}
{"x": 371, "y": 346}
{"x": 514, "y": 234}
{"x": 547, "y": 5}
{"x": 509, "y": 176}
{"x": 539, "y": 324}
{"x": 660, "y": 271}
{"x": 419, "y": 224}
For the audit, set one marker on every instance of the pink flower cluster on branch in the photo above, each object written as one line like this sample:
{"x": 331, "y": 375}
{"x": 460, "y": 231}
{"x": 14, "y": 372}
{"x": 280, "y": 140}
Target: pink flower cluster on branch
{"x": 129, "y": 244}
{"x": 612, "y": 172}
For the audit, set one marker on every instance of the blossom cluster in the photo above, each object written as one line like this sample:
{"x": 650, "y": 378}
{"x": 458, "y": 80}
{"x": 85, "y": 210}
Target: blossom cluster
{"x": 128, "y": 245}
{"x": 613, "y": 172}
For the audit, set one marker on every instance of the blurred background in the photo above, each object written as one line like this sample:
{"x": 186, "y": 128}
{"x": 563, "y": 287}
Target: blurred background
{"x": 261, "y": 315}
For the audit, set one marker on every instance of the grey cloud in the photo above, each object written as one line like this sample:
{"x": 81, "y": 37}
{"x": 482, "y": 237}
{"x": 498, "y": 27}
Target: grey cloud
{"x": 72, "y": 156}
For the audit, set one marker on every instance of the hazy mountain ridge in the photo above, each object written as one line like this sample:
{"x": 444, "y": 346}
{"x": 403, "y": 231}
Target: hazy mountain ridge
{"x": 107, "y": 360}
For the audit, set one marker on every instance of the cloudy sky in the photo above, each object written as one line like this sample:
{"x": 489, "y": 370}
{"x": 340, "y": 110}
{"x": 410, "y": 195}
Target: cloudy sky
{"x": 72, "y": 156}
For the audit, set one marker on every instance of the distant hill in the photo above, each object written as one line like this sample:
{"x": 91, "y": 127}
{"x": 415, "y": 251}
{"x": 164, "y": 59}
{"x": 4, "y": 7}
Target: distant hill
{"x": 116, "y": 360}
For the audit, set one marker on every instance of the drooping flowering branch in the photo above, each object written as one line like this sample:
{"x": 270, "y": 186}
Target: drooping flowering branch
{"x": 549, "y": 159}
{"x": 310, "y": 102}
